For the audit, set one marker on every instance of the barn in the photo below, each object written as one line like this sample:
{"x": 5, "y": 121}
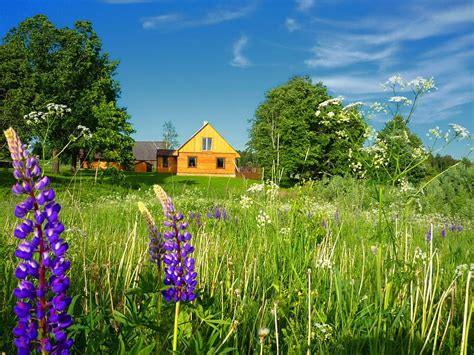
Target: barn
{"x": 145, "y": 153}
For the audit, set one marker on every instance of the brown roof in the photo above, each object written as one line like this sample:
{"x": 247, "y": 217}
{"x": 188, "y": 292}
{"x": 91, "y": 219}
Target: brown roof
{"x": 146, "y": 150}
{"x": 166, "y": 152}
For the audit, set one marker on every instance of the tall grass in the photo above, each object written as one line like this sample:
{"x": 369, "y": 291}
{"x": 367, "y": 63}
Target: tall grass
{"x": 331, "y": 272}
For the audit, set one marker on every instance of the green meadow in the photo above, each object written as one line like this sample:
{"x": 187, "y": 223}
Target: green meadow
{"x": 336, "y": 266}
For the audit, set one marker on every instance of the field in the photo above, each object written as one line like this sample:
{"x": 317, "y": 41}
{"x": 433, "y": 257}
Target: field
{"x": 337, "y": 266}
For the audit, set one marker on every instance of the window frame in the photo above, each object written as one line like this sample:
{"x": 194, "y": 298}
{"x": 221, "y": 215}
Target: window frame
{"x": 165, "y": 162}
{"x": 206, "y": 144}
{"x": 195, "y": 162}
{"x": 217, "y": 163}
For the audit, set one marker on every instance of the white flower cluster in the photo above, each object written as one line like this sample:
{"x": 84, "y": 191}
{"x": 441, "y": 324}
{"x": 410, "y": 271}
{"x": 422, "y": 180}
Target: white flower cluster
{"x": 324, "y": 263}
{"x": 285, "y": 230}
{"x": 324, "y": 331}
{"x": 422, "y": 85}
{"x": 378, "y": 151}
{"x": 245, "y": 202}
{"x": 331, "y": 114}
{"x": 36, "y": 117}
{"x": 393, "y": 81}
{"x": 352, "y": 105}
{"x": 57, "y": 108}
{"x": 378, "y": 107}
{"x": 401, "y": 100}
{"x": 335, "y": 101}
{"x": 460, "y": 131}
{"x": 256, "y": 188}
{"x": 419, "y": 152}
{"x": 420, "y": 254}
{"x": 263, "y": 219}
{"x": 272, "y": 189}
{"x": 341, "y": 134}
{"x": 84, "y": 131}
{"x": 405, "y": 186}
{"x": 461, "y": 269}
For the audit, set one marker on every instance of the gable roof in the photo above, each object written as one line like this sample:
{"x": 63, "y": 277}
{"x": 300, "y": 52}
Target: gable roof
{"x": 205, "y": 124}
{"x": 146, "y": 150}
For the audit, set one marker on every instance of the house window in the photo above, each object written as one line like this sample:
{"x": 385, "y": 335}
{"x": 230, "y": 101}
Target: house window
{"x": 165, "y": 162}
{"x": 207, "y": 144}
{"x": 192, "y": 162}
{"x": 220, "y": 163}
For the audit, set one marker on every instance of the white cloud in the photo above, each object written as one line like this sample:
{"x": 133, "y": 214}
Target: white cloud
{"x": 160, "y": 21}
{"x": 304, "y": 5}
{"x": 239, "y": 59}
{"x": 291, "y": 24}
{"x": 170, "y": 22}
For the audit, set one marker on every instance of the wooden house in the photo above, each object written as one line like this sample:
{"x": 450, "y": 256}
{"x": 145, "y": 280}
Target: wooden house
{"x": 145, "y": 155}
{"x": 205, "y": 153}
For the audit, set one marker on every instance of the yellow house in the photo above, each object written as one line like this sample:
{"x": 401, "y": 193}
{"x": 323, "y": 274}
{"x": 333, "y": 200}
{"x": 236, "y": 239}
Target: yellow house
{"x": 205, "y": 153}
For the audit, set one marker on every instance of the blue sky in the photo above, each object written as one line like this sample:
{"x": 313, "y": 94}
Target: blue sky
{"x": 193, "y": 60}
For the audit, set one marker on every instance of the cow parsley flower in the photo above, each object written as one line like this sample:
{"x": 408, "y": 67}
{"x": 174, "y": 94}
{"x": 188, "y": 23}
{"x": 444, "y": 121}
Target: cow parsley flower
{"x": 460, "y": 131}
{"x": 42, "y": 301}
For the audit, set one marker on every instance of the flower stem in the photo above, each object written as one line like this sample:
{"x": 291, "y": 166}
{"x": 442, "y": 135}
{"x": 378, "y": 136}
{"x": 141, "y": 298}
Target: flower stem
{"x": 175, "y": 330}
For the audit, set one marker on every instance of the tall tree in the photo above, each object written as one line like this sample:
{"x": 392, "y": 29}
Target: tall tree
{"x": 40, "y": 64}
{"x": 292, "y": 135}
{"x": 170, "y": 137}
{"x": 112, "y": 136}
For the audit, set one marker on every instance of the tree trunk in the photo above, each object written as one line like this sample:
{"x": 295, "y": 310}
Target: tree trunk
{"x": 55, "y": 164}
{"x": 74, "y": 162}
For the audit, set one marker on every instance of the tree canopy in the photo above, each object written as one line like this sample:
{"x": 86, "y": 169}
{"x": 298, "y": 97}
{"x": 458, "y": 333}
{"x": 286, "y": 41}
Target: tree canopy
{"x": 300, "y": 130}
{"x": 40, "y": 64}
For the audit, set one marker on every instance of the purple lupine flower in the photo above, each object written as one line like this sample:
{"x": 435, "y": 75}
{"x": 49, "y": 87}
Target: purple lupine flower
{"x": 459, "y": 227}
{"x": 42, "y": 285}
{"x": 180, "y": 274}
{"x": 218, "y": 213}
{"x": 155, "y": 246}
{"x": 453, "y": 227}
{"x": 428, "y": 235}
{"x": 443, "y": 231}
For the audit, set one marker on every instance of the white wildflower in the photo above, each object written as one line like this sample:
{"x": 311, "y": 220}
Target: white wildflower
{"x": 460, "y": 131}
{"x": 334, "y": 101}
{"x": 353, "y": 104}
{"x": 400, "y": 99}
{"x": 256, "y": 188}
{"x": 422, "y": 85}
{"x": 263, "y": 219}
{"x": 393, "y": 81}
{"x": 317, "y": 113}
{"x": 331, "y": 114}
{"x": 245, "y": 202}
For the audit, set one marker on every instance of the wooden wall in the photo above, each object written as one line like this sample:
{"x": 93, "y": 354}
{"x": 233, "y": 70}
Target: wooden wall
{"x": 172, "y": 165}
{"x": 141, "y": 167}
{"x": 194, "y": 145}
{"x": 207, "y": 164}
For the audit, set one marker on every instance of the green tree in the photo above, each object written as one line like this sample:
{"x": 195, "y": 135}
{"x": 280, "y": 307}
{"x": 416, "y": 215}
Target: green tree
{"x": 112, "y": 136}
{"x": 170, "y": 137}
{"x": 300, "y": 130}
{"x": 404, "y": 150}
{"x": 41, "y": 64}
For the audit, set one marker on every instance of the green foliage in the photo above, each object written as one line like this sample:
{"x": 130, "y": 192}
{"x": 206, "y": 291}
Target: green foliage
{"x": 290, "y": 139}
{"x": 375, "y": 287}
{"x": 170, "y": 137}
{"x": 112, "y": 135}
{"x": 40, "y": 64}
{"x": 404, "y": 152}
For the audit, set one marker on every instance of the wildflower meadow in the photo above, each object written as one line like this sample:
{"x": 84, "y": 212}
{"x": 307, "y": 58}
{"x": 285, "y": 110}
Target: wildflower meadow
{"x": 231, "y": 266}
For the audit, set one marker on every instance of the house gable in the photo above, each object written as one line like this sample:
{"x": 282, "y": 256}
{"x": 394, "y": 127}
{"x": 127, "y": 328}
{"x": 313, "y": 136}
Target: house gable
{"x": 219, "y": 144}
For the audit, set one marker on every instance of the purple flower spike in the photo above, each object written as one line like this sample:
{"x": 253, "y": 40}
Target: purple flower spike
{"x": 179, "y": 266}
{"x": 42, "y": 280}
